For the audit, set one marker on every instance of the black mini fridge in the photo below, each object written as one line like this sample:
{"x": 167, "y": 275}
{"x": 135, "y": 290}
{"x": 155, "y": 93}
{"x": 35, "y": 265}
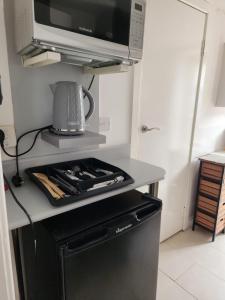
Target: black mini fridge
{"x": 104, "y": 251}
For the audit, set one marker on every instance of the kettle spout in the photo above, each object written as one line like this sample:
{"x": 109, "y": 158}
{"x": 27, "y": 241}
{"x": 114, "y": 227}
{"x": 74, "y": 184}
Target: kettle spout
{"x": 53, "y": 88}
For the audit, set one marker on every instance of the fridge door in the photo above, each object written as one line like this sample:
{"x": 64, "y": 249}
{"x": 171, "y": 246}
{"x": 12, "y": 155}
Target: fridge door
{"x": 114, "y": 261}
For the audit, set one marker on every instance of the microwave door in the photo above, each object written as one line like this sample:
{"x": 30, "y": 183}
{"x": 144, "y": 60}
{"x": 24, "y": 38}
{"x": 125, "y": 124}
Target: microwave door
{"x": 107, "y": 20}
{"x": 110, "y": 29}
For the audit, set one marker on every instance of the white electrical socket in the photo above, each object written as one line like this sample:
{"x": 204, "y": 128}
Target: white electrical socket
{"x": 10, "y": 135}
{"x": 104, "y": 124}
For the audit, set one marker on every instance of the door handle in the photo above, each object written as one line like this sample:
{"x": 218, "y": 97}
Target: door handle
{"x": 1, "y": 96}
{"x": 146, "y": 129}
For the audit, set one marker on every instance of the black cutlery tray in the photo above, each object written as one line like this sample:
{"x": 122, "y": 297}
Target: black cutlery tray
{"x": 90, "y": 165}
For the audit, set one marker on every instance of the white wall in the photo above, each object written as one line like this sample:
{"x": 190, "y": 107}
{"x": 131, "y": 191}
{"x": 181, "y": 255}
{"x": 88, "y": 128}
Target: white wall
{"x": 210, "y": 124}
{"x": 116, "y": 97}
{"x": 210, "y": 129}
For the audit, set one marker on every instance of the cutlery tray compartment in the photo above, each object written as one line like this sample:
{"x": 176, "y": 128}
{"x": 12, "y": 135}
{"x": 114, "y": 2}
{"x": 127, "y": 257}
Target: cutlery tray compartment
{"x": 78, "y": 179}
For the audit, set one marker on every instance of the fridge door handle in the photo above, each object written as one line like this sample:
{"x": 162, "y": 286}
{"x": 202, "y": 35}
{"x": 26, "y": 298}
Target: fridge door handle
{"x": 85, "y": 241}
{"x": 148, "y": 212}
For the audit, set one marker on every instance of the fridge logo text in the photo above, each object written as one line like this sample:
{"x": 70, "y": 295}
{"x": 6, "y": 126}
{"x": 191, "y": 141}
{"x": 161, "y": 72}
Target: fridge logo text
{"x": 119, "y": 230}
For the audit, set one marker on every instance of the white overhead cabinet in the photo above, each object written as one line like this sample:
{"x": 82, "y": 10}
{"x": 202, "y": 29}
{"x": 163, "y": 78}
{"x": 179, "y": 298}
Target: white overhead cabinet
{"x": 6, "y": 108}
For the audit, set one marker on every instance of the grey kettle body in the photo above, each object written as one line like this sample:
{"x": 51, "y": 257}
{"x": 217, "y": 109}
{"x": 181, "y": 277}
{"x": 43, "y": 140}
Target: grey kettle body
{"x": 68, "y": 108}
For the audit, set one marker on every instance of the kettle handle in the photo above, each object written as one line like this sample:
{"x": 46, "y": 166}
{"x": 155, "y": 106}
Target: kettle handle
{"x": 92, "y": 104}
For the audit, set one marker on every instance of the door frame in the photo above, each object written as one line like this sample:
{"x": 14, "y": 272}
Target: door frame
{"x": 136, "y": 115}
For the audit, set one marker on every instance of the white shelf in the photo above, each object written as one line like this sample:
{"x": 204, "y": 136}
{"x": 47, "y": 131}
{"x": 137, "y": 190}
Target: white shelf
{"x": 43, "y": 59}
{"x": 39, "y": 208}
{"x": 69, "y": 142}
{"x": 107, "y": 70}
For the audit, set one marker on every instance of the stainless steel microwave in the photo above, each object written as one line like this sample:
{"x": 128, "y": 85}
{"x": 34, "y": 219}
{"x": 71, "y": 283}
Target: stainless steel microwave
{"x": 104, "y": 30}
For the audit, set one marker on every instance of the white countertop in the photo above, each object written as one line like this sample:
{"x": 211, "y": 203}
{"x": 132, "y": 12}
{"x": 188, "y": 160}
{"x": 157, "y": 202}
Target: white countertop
{"x": 39, "y": 208}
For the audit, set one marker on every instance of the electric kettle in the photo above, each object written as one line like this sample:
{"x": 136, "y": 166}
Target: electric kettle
{"x": 68, "y": 108}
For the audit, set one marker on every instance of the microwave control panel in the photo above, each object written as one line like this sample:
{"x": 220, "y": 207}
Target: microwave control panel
{"x": 137, "y": 25}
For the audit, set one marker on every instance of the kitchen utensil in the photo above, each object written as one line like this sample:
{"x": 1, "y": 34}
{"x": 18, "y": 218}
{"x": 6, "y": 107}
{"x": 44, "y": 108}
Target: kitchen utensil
{"x": 67, "y": 173}
{"x": 64, "y": 185}
{"x": 89, "y": 170}
{"x": 78, "y": 172}
{"x": 76, "y": 169}
{"x": 70, "y": 174}
{"x": 56, "y": 192}
{"x": 89, "y": 174}
{"x": 107, "y": 183}
{"x": 106, "y": 172}
{"x": 51, "y": 191}
{"x": 68, "y": 109}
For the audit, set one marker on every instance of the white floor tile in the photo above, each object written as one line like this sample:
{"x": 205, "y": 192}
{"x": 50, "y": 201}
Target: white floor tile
{"x": 199, "y": 246}
{"x": 213, "y": 260}
{"x": 193, "y": 261}
{"x": 191, "y": 238}
{"x": 169, "y": 290}
{"x": 180, "y": 252}
{"x": 175, "y": 261}
{"x": 219, "y": 243}
{"x": 202, "y": 284}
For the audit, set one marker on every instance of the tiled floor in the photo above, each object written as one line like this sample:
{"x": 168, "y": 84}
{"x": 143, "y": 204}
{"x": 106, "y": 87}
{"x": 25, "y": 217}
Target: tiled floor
{"x": 192, "y": 267}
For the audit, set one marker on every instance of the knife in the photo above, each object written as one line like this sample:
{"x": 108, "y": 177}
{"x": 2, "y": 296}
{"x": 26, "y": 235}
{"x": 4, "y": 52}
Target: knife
{"x": 106, "y": 183}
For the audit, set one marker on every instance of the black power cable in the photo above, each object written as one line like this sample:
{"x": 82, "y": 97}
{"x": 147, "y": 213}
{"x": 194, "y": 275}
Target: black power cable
{"x": 31, "y": 225}
{"x": 17, "y": 179}
{"x": 18, "y": 140}
{"x": 39, "y": 130}
{"x": 24, "y": 210}
{"x": 92, "y": 80}
{"x": 90, "y": 85}
{"x": 16, "y": 200}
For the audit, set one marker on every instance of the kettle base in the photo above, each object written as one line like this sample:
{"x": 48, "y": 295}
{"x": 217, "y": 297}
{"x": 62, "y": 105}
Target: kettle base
{"x": 66, "y": 132}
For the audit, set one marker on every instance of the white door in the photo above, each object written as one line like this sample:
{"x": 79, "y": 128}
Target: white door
{"x": 169, "y": 88}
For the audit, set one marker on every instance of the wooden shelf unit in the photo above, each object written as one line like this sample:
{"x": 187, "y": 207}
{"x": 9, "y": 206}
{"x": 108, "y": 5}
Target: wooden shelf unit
{"x": 210, "y": 198}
